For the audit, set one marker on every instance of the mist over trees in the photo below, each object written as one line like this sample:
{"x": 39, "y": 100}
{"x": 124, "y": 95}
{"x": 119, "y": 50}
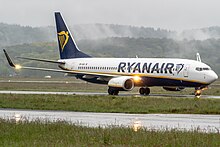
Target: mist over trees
{"x": 102, "y": 40}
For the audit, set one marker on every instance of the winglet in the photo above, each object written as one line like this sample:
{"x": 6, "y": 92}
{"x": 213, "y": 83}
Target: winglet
{"x": 10, "y": 62}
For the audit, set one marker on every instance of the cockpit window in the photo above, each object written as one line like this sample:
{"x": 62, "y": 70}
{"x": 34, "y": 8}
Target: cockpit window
{"x": 205, "y": 68}
{"x": 198, "y": 69}
{"x": 202, "y": 68}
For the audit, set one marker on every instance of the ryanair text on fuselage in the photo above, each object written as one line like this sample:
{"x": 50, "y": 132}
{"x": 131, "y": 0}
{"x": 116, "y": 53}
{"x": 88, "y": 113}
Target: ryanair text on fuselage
{"x": 163, "y": 68}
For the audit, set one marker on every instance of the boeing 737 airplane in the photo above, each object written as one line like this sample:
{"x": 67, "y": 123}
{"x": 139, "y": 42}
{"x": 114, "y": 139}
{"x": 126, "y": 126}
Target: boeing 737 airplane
{"x": 123, "y": 74}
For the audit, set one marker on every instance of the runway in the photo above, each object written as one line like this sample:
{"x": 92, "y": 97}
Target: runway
{"x": 188, "y": 122}
{"x": 104, "y": 94}
{"x": 43, "y": 81}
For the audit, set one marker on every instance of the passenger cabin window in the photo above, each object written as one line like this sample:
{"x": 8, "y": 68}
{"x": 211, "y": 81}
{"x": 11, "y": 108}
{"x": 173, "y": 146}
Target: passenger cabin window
{"x": 104, "y": 68}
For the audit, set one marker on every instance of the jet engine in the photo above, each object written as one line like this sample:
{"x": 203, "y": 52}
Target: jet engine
{"x": 173, "y": 88}
{"x": 122, "y": 83}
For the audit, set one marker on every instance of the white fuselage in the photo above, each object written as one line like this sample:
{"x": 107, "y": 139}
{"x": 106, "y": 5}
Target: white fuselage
{"x": 159, "y": 68}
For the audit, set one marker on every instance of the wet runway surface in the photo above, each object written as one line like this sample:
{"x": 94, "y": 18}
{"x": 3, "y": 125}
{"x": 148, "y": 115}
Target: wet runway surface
{"x": 98, "y": 93}
{"x": 189, "y": 122}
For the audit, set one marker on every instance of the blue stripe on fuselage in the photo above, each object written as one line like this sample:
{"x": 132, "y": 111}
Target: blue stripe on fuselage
{"x": 154, "y": 81}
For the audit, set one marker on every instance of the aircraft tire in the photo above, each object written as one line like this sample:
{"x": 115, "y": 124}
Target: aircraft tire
{"x": 112, "y": 91}
{"x": 147, "y": 91}
{"x": 116, "y": 92}
{"x": 142, "y": 91}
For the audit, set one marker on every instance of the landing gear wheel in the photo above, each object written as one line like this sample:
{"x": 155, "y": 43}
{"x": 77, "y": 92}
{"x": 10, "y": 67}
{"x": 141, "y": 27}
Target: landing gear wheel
{"x": 116, "y": 92}
{"x": 147, "y": 92}
{"x": 144, "y": 91}
{"x": 112, "y": 91}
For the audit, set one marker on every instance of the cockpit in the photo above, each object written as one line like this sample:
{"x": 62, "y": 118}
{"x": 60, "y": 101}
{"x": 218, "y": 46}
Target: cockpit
{"x": 202, "y": 68}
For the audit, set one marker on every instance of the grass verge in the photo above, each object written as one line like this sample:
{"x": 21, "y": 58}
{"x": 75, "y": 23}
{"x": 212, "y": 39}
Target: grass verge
{"x": 63, "y": 134}
{"x": 128, "y": 104}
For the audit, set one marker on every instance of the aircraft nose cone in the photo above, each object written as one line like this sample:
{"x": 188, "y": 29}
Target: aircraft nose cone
{"x": 214, "y": 77}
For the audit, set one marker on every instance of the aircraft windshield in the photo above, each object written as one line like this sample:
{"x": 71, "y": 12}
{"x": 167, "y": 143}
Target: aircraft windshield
{"x": 202, "y": 68}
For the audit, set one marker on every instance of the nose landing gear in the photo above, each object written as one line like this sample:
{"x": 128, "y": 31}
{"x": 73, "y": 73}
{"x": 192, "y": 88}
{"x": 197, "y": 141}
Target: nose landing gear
{"x": 198, "y": 91}
{"x": 144, "y": 91}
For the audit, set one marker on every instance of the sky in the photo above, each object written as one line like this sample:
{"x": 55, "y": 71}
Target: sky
{"x": 166, "y": 14}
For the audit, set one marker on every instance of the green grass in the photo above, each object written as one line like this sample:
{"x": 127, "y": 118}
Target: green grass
{"x": 13, "y": 85}
{"x": 63, "y": 134}
{"x": 129, "y": 104}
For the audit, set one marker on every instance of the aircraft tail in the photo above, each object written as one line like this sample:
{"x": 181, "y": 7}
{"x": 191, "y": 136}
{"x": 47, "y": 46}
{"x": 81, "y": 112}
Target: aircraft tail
{"x": 67, "y": 46}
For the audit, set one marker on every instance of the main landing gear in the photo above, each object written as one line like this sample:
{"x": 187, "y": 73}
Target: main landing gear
{"x": 144, "y": 91}
{"x": 113, "y": 91}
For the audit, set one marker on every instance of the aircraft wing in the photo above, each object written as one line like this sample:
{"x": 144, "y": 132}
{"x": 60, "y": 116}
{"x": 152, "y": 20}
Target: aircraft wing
{"x": 74, "y": 72}
{"x": 43, "y": 60}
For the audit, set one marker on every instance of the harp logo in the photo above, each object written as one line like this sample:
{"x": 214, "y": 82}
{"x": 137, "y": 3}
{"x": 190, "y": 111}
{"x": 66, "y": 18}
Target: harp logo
{"x": 63, "y": 39}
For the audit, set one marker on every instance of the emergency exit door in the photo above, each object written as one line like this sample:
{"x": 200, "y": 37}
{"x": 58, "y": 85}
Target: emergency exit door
{"x": 186, "y": 71}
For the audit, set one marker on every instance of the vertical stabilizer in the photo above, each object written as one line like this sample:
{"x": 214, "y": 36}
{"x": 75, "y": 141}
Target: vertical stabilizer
{"x": 67, "y": 46}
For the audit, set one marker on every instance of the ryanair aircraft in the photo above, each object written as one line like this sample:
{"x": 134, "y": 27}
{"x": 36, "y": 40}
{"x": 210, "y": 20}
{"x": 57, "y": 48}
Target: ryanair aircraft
{"x": 123, "y": 74}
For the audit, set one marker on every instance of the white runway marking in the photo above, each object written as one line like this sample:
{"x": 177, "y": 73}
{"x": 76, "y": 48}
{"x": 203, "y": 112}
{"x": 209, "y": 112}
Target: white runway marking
{"x": 52, "y": 82}
{"x": 98, "y": 93}
{"x": 189, "y": 122}
{"x": 54, "y": 93}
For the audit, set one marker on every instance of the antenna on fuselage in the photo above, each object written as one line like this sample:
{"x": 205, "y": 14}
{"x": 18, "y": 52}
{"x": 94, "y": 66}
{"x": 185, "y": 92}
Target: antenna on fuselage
{"x": 198, "y": 58}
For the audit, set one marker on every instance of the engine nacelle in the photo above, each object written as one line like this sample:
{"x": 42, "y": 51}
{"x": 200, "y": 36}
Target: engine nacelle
{"x": 124, "y": 83}
{"x": 173, "y": 88}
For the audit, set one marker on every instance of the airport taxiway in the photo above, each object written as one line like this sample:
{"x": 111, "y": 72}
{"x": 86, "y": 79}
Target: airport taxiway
{"x": 187, "y": 122}
{"x": 104, "y": 94}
